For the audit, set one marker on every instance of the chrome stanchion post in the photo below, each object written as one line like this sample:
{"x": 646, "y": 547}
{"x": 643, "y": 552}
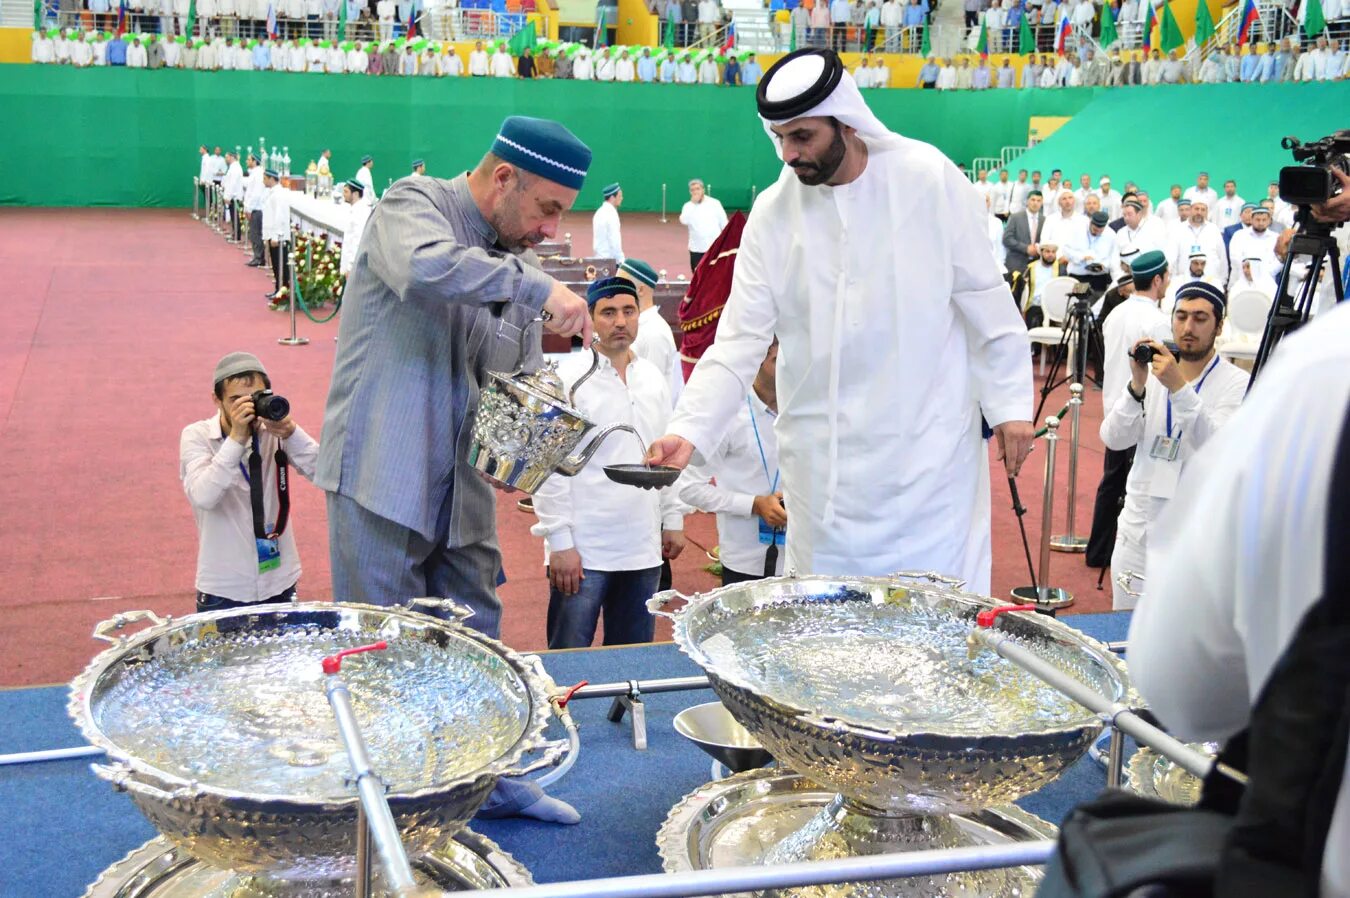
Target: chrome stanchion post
{"x": 1070, "y": 542}
{"x": 362, "y": 853}
{"x": 196, "y": 189}
{"x": 1115, "y": 758}
{"x": 663, "y": 204}
{"x": 1047, "y": 598}
{"x": 292, "y": 340}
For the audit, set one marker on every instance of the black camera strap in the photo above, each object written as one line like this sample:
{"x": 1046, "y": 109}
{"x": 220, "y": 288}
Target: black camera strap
{"x": 255, "y": 492}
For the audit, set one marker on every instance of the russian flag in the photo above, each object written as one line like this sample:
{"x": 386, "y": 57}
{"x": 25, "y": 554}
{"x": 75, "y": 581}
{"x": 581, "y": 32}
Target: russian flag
{"x": 1062, "y": 31}
{"x": 272, "y": 20}
{"x": 1148, "y": 27}
{"x": 121, "y": 17}
{"x": 1250, "y": 17}
{"x": 731, "y": 37}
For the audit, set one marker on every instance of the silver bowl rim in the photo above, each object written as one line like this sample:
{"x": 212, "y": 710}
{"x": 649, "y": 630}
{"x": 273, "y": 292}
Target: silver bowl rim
{"x": 538, "y": 685}
{"x": 1140, "y": 770}
{"x": 832, "y": 722}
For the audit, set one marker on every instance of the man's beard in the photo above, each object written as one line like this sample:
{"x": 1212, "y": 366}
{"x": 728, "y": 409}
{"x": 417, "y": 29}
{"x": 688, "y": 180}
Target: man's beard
{"x": 822, "y": 170}
{"x": 1199, "y": 354}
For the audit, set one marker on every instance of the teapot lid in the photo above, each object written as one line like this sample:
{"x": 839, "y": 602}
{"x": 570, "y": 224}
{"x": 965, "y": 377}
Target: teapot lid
{"x": 546, "y": 381}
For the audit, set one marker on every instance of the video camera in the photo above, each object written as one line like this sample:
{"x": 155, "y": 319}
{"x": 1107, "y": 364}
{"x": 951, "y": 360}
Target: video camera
{"x": 1143, "y": 353}
{"x": 1312, "y": 182}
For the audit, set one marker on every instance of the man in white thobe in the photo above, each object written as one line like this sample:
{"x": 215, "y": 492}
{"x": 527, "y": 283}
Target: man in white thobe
{"x": 1065, "y": 225}
{"x": 136, "y": 55}
{"x": 881, "y": 392}
{"x": 367, "y": 179}
{"x": 1202, "y": 191}
{"x": 502, "y": 66}
{"x": 478, "y": 61}
{"x": 655, "y": 341}
{"x": 688, "y": 72}
{"x": 1200, "y": 235}
{"x": 1257, "y": 242}
{"x": 583, "y": 69}
{"x": 604, "y": 66}
{"x": 352, "y": 192}
{"x": 624, "y": 69}
{"x": 448, "y": 64}
{"x": 1142, "y": 232}
{"x": 707, "y": 71}
{"x": 705, "y": 218}
{"x": 44, "y": 48}
{"x": 606, "y": 240}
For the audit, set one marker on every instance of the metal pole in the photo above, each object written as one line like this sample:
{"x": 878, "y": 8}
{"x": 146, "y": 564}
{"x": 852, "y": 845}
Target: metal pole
{"x": 663, "y": 204}
{"x": 196, "y": 189}
{"x": 648, "y": 687}
{"x": 1115, "y": 759}
{"x": 362, "y": 853}
{"x": 380, "y": 821}
{"x": 1069, "y": 542}
{"x": 292, "y": 340}
{"x": 1046, "y": 597}
{"x": 52, "y": 754}
{"x": 729, "y": 880}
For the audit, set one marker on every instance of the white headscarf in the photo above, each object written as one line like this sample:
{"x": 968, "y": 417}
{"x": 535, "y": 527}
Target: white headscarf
{"x": 844, "y": 103}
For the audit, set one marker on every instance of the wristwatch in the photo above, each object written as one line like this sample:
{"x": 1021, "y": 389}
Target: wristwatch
{"x": 1137, "y": 397}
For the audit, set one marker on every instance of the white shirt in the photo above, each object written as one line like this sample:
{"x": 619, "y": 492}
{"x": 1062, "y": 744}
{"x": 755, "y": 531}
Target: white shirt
{"x": 351, "y": 236}
{"x": 1020, "y": 189}
{"x": 606, "y": 241}
{"x": 254, "y": 190}
{"x": 1150, "y": 234}
{"x": 604, "y": 68}
{"x": 227, "y": 553}
{"x": 368, "y": 182}
{"x": 1208, "y": 633}
{"x": 613, "y": 527}
{"x": 208, "y": 168}
{"x": 705, "y": 221}
{"x": 862, "y": 76}
{"x": 624, "y": 70}
{"x": 81, "y": 53}
{"x": 727, "y": 484}
{"x": 233, "y": 185}
{"x": 478, "y": 62}
{"x": 583, "y": 69}
{"x": 44, "y": 50}
{"x": 1101, "y": 249}
{"x": 1227, "y": 211}
{"x": 1111, "y": 200}
{"x": 337, "y": 60}
{"x": 136, "y": 57}
{"x": 502, "y": 66}
{"x": 1247, "y": 244}
{"x": 448, "y": 64}
{"x": 276, "y": 212}
{"x": 656, "y": 342}
{"x": 1059, "y": 230}
{"x": 708, "y": 72}
{"x": 1001, "y": 194}
{"x": 1128, "y": 323}
{"x": 1207, "y": 196}
{"x": 1208, "y": 239}
{"x": 1167, "y": 211}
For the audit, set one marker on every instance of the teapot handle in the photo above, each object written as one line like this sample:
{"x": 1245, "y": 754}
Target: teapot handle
{"x": 519, "y": 366}
{"x": 595, "y": 364}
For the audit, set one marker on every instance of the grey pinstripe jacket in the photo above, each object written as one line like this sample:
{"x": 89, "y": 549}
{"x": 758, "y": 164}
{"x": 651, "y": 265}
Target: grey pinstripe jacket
{"x": 418, "y": 332}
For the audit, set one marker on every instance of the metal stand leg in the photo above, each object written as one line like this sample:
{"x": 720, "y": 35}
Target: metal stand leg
{"x": 1047, "y": 599}
{"x": 292, "y": 340}
{"x": 663, "y": 204}
{"x": 196, "y": 191}
{"x": 632, "y": 702}
{"x": 1115, "y": 759}
{"x": 362, "y": 854}
{"x": 1070, "y": 542}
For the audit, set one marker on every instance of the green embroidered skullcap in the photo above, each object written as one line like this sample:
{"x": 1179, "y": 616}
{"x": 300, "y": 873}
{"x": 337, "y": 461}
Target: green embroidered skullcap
{"x": 640, "y": 270}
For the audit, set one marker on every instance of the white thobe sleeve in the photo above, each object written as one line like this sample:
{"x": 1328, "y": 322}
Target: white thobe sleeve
{"x": 999, "y": 352}
{"x": 553, "y": 508}
{"x": 697, "y": 489}
{"x": 1123, "y": 426}
{"x": 1199, "y": 416}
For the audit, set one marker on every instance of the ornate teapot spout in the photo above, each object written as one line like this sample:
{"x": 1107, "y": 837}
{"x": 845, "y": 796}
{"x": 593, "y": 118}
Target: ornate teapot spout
{"x": 572, "y": 465}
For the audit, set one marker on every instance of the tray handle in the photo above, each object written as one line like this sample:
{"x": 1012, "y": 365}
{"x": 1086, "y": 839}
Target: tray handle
{"x": 455, "y": 610}
{"x": 930, "y": 576}
{"x": 552, "y": 755}
{"x": 123, "y": 780}
{"x": 657, "y": 603}
{"x": 123, "y": 619}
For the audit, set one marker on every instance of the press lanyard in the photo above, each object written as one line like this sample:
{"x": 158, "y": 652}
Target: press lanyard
{"x": 1212, "y": 365}
{"x": 763, "y": 459}
{"x": 253, "y": 477}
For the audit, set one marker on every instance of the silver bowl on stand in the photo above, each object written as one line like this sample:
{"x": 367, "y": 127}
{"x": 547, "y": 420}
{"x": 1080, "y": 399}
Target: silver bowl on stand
{"x": 218, "y": 728}
{"x": 866, "y": 686}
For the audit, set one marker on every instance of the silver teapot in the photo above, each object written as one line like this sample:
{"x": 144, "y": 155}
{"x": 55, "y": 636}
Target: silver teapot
{"x": 526, "y": 427}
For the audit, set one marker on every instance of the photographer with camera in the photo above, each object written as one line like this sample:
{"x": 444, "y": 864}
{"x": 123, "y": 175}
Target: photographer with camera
{"x": 1177, "y": 397}
{"x": 234, "y": 470}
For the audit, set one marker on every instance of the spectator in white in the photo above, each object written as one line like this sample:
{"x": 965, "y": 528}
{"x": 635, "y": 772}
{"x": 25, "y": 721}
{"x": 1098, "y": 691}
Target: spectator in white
{"x": 688, "y": 73}
{"x": 276, "y": 230}
{"x": 297, "y": 57}
{"x": 218, "y": 460}
{"x": 1252, "y": 275}
{"x": 605, "y": 541}
{"x": 705, "y": 218}
{"x": 227, "y": 56}
{"x": 254, "y": 194}
{"x": 44, "y": 48}
{"x": 81, "y": 52}
{"x": 892, "y": 15}
{"x": 965, "y": 75}
{"x": 981, "y": 77}
{"x": 1151, "y": 70}
{"x": 1201, "y": 235}
{"x": 862, "y": 75}
{"x": 1006, "y": 77}
{"x": 281, "y": 55}
{"x": 478, "y": 59}
{"x": 1111, "y": 199}
{"x": 1066, "y": 75}
{"x": 655, "y": 341}
{"x": 1044, "y": 268}
{"x": 669, "y": 68}
{"x": 358, "y": 61}
{"x": 1083, "y": 15}
{"x": 982, "y": 185}
{"x": 1141, "y": 232}
{"x": 232, "y": 188}
{"x": 1202, "y": 191}
{"x": 1170, "y": 408}
{"x": 946, "y": 75}
{"x": 1175, "y": 228}
{"x": 62, "y": 46}
{"x": 1001, "y": 196}
{"x": 173, "y": 52}
{"x": 502, "y": 65}
{"x": 1173, "y": 70}
{"x": 708, "y": 13}
{"x": 1091, "y": 252}
{"x": 739, "y": 483}
{"x": 624, "y": 69}
{"x": 336, "y": 64}
{"x": 1031, "y": 72}
{"x": 583, "y": 69}
{"x": 316, "y": 58}
{"x": 101, "y": 50}
{"x": 707, "y": 71}
{"x": 1063, "y": 227}
{"x": 448, "y": 64}
{"x": 384, "y": 11}
{"x": 994, "y": 227}
{"x": 358, "y": 213}
{"x": 1196, "y": 271}
{"x": 328, "y": 11}
{"x": 1228, "y": 209}
{"x": 881, "y": 74}
{"x": 1049, "y": 77}
{"x": 606, "y": 236}
{"x": 751, "y": 72}
{"x": 1257, "y": 242}
{"x": 1019, "y": 191}
{"x": 1211, "y": 70}
{"x": 426, "y": 66}
{"x": 1167, "y": 209}
{"x": 365, "y": 175}
{"x": 604, "y": 65}
{"x": 1083, "y": 192}
{"x": 136, "y": 57}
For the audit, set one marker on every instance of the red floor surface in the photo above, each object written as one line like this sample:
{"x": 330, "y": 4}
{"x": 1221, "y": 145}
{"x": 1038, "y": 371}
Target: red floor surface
{"x": 113, "y": 320}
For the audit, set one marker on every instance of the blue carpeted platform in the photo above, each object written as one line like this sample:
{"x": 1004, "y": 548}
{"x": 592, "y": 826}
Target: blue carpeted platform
{"x": 60, "y": 826}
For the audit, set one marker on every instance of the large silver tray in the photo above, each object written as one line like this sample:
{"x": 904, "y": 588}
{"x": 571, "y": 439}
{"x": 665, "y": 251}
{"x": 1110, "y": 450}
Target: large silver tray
{"x": 159, "y": 870}
{"x": 742, "y": 820}
{"x": 218, "y": 727}
{"x": 1153, "y": 776}
{"x": 866, "y": 685}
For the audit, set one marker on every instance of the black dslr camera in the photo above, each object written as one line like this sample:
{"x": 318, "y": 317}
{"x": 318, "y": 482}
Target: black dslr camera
{"x": 1143, "y": 354}
{"x": 1312, "y": 182}
{"x": 269, "y": 405}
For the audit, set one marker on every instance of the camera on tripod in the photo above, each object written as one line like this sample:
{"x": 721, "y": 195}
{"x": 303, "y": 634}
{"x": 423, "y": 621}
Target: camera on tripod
{"x": 1080, "y": 295}
{"x": 1312, "y": 182}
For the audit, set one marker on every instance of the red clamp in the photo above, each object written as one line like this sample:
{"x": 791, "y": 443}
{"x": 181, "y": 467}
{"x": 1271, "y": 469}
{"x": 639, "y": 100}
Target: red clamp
{"x": 333, "y": 663}
{"x": 571, "y": 691}
{"x": 986, "y": 619}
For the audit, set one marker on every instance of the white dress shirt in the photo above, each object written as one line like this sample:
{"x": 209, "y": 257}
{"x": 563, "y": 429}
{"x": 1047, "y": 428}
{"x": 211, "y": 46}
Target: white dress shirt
{"x": 478, "y": 62}
{"x": 502, "y": 66}
{"x": 1208, "y": 239}
{"x": 276, "y": 212}
{"x": 1060, "y": 231}
{"x": 613, "y": 527}
{"x": 1208, "y": 196}
{"x": 1101, "y": 249}
{"x": 740, "y": 474}
{"x": 254, "y": 189}
{"x": 207, "y": 171}
{"x": 1001, "y": 195}
{"x": 1247, "y": 244}
{"x": 705, "y": 221}
{"x": 606, "y": 240}
{"x": 1167, "y": 211}
{"x": 351, "y": 237}
{"x": 1128, "y": 323}
{"x": 1227, "y": 211}
{"x": 233, "y": 185}
{"x": 227, "y": 553}
{"x": 368, "y": 182}
{"x": 136, "y": 57}
{"x": 656, "y": 343}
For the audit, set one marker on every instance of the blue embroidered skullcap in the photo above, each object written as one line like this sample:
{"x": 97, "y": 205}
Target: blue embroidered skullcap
{"x": 543, "y": 148}
{"x": 611, "y": 189}
{"x": 1249, "y": 207}
{"x": 1147, "y": 266}
{"x": 417, "y": 163}
{"x": 1183, "y": 202}
{"x": 271, "y": 173}
{"x": 640, "y": 270}
{"x": 603, "y": 288}
{"x": 366, "y": 159}
{"x": 356, "y": 185}
{"x": 1203, "y": 290}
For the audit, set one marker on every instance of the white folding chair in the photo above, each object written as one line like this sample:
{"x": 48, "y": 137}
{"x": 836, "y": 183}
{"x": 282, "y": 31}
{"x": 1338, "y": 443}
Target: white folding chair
{"x": 1247, "y": 314}
{"x": 1055, "y": 305}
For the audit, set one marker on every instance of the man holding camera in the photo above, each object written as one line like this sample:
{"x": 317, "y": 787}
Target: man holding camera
{"x": 1176, "y": 399}
{"x": 234, "y": 470}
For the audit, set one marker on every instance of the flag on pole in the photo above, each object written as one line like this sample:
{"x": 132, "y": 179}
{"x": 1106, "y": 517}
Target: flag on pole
{"x": 982, "y": 45}
{"x": 731, "y": 37}
{"x": 342, "y": 20}
{"x": 669, "y": 41}
{"x": 1204, "y": 23}
{"x": 925, "y": 45}
{"x": 37, "y": 15}
{"x": 1247, "y": 24}
{"x": 1150, "y": 23}
{"x": 792, "y": 45}
{"x": 1169, "y": 32}
{"x": 192, "y": 16}
{"x": 1062, "y": 30}
{"x": 1026, "y": 42}
{"x": 121, "y": 17}
{"x": 1107, "y": 34}
{"x": 272, "y": 19}
{"x": 523, "y": 38}
{"x": 1316, "y": 21}
{"x": 410, "y": 27}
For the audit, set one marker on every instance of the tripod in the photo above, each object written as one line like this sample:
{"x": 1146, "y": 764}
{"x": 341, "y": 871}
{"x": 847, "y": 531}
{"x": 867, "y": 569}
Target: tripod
{"x": 1083, "y": 334}
{"x": 1289, "y": 312}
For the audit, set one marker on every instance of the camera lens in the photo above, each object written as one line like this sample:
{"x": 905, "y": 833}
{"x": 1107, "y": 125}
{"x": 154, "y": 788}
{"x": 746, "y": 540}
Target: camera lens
{"x": 1142, "y": 354}
{"x": 267, "y": 404}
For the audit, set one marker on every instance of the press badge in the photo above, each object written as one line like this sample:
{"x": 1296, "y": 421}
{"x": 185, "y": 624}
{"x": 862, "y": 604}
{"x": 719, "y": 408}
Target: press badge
{"x": 269, "y": 554}
{"x": 1165, "y": 448}
{"x": 769, "y": 535}
{"x": 1162, "y": 484}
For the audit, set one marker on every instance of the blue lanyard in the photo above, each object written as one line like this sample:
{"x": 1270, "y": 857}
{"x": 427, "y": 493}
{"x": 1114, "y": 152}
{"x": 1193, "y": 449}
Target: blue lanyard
{"x": 1212, "y": 365}
{"x": 763, "y": 459}
{"x": 243, "y": 470}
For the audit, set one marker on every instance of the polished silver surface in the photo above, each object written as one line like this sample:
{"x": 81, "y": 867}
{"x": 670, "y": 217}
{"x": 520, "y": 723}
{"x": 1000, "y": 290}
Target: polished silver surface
{"x": 218, "y": 727}
{"x": 866, "y": 686}
{"x": 712, "y": 728}
{"x": 158, "y": 869}
{"x": 757, "y": 817}
{"x": 1152, "y": 775}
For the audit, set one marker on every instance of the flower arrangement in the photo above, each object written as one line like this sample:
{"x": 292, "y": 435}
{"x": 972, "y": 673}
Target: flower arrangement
{"x": 316, "y": 268}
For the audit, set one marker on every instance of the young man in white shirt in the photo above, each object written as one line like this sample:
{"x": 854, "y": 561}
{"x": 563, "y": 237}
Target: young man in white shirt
{"x": 739, "y": 483}
{"x": 243, "y": 559}
{"x": 606, "y": 234}
{"x": 655, "y": 341}
{"x": 605, "y": 541}
{"x": 705, "y": 218}
{"x": 1170, "y": 407}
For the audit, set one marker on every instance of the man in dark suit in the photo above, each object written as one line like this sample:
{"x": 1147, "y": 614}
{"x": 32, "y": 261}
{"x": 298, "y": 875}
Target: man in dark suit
{"x": 1022, "y": 233}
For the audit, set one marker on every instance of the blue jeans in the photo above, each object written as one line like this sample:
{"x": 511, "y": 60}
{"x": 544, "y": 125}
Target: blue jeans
{"x": 621, "y": 595}
{"x": 206, "y": 602}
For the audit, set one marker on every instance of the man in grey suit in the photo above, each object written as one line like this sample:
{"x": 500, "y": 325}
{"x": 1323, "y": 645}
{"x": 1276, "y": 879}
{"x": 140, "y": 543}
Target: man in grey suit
{"x": 441, "y": 289}
{"x": 1022, "y": 233}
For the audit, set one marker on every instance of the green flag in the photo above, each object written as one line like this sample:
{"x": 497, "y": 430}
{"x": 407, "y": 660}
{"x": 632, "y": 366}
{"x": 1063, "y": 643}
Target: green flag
{"x": 669, "y": 40}
{"x": 925, "y": 45}
{"x": 1169, "y": 32}
{"x": 1204, "y": 23}
{"x": 1026, "y": 43}
{"x": 192, "y": 16}
{"x": 1107, "y": 36}
{"x": 982, "y": 46}
{"x": 792, "y": 36}
{"x": 342, "y": 19}
{"x": 37, "y": 15}
{"x": 1316, "y": 21}
{"x": 522, "y": 39}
